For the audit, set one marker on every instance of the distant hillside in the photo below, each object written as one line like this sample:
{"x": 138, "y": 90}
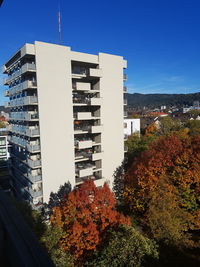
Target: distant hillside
{"x": 156, "y": 100}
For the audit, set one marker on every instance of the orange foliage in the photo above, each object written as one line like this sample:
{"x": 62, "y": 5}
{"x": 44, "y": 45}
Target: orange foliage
{"x": 151, "y": 129}
{"x": 176, "y": 158}
{"x": 85, "y": 216}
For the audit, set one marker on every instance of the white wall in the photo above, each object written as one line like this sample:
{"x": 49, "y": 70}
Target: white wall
{"x": 112, "y": 112}
{"x": 56, "y": 115}
{"x": 133, "y": 126}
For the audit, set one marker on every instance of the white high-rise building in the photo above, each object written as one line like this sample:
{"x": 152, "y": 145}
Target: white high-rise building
{"x": 67, "y": 117}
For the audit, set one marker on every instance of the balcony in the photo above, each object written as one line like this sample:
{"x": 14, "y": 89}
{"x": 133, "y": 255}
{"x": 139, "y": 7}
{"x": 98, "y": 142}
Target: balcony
{"x": 25, "y": 130}
{"x": 99, "y": 181}
{"x": 7, "y": 104}
{"x": 6, "y": 81}
{"x": 82, "y": 156}
{"x": 28, "y": 67}
{"x": 6, "y": 93}
{"x": 34, "y": 163}
{"x": 17, "y": 140}
{"x": 125, "y": 89}
{"x": 4, "y": 69}
{"x": 23, "y": 101}
{"x": 81, "y": 129}
{"x": 35, "y": 193}
{"x": 83, "y": 144}
{"x": 95, "y": 101}
{"x": 80, "y": 100}
{"x": 95, "y": 73}
{"x": 22, "y": 86}
{"x": 14, "y": 75}
{"x": 79, "y": 86}
{"x": 32, "y": 132}
{"x": 84, "y": 170}
{"x": 97, "y": 129}
{"x": 24, "y": 116}
{"x": 125, "y": 137}
{"x": 125, "y": 77}
{"x": 125, "y": 114}
{"x": 33, "y": 147}
{"x": 97, "y": 156}
{"x": 34, "y": 178}
{"x": 79, "y": 72}
{"x": 125, "y": 102}
{"x": 83, "y": 116}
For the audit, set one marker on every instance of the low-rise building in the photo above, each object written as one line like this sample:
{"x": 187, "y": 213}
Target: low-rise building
{"x": 131, "y": 126}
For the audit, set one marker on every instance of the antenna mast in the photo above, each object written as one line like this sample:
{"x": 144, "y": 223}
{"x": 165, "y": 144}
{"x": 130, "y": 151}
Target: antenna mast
{"x": 59, "y": 25}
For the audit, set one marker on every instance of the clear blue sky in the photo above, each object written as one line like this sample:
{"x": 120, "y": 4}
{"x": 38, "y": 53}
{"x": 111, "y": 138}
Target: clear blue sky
{"x": 159, "y": 38}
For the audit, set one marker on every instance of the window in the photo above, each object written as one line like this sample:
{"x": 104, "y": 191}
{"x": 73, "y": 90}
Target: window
{"x": 125, "y": 125}
{"x": 2, "y": 141}
{"x": 2, "y": 151}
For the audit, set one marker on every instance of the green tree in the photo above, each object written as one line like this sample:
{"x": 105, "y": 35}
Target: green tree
{"x": 136, "y": 145}
{"x": 168, "y": 125}
{"x": 193, "y": 126}
{"x": 50, "y": 241}
{"x": 125, "y": 247}
{"x": 2, "y": 124}
{"x": 167, "y": 221}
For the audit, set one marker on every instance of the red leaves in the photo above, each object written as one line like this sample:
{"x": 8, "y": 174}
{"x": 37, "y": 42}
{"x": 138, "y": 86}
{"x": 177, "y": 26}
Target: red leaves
{"x": 174, "y": 157}
{"x": 85, "y": 216}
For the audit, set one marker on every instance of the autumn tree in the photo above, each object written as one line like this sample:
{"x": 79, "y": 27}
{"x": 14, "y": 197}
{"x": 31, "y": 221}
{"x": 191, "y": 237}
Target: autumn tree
{"x": 193, "y": 126}
{"x": 126, "y": 247}
{"x": 176, "y": 158}
{"x": 169, "y": 125}
{"x": 167, "y": 221}
{"x": 85, "y": 217}
{"x": 152, "y": 129}
{"x": 55, "y": 199}
{"x": 136, "y": 145}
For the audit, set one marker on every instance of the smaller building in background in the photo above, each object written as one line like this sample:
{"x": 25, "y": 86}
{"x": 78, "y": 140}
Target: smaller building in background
{"x": 131, "y": 126}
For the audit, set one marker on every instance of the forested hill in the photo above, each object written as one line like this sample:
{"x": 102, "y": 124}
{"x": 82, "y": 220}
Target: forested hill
{"x": 156, "y": 100}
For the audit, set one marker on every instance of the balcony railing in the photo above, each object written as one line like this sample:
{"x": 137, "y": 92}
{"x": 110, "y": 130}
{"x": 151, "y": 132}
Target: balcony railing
{"x": 81, "y": 144}
{"x": 27, "y": 100}
{"x": 125, "y": 77}
{"x": 82, "y": 128}
{"x": 24, "y": 143}
{"x": 35, "y": 193}
{"x": 34, "y": 163}
{"x": 83, "y": 115}
{"x": 125, "y": 89}
{"x": 28, "y": 67}
{"x": 125, "y": 114}
{"x": 24, "y": 116}
{"x": 33, "y": 147}
{"x": 22, "y": 86}
{"x": 80, "y": 86}
{"x": 34, "y": 178}
{"x": 83, "y": 155}
{"x": 84, "y": 172}
{"x": 125, "y": 101}
{"x": 7, "y": 104}
{"x": 6, "y": 93}
{"x": 24, "y": 130}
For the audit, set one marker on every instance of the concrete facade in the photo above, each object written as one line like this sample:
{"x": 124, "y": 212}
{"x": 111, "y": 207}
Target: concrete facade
{"x": 131, "y": 126}
{"x": 67, "y": 117}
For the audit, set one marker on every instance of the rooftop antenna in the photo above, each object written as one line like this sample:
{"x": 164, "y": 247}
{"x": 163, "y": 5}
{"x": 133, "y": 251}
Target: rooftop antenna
{"x": 59, "y": 25}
